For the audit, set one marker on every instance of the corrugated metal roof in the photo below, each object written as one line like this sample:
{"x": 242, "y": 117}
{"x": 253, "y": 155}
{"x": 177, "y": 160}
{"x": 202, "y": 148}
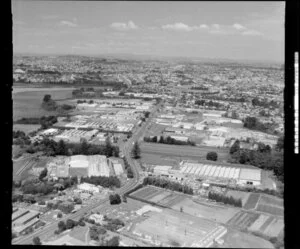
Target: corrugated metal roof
{"x": 250, "y": 174}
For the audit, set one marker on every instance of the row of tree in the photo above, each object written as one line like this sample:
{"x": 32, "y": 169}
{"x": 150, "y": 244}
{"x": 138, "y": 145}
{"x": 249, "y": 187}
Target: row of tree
{"x": 164, "y": 183}
{"x": 104, "y": 181}
{"x": 20, "y": 138}
{"x": 253, "y": 123}
{"x": 225, "y": 199}
{"x": 53, "y": 148}
{"x": 168, "y": 140}
{"x": 128, "y": 168}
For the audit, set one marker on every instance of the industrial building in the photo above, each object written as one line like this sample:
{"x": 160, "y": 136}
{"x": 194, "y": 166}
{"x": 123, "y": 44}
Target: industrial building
{"x": 23, "y": 219}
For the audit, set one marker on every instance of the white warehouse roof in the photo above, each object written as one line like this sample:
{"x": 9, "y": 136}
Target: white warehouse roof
{"x": 79, "y": 161}
{"x": 250, "y": 174}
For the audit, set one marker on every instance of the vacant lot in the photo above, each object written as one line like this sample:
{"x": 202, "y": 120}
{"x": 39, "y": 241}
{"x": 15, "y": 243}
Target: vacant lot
{"x": 154, "y": 159}
{"x": 28, "y": 103}
{"x": 191, "y": 152}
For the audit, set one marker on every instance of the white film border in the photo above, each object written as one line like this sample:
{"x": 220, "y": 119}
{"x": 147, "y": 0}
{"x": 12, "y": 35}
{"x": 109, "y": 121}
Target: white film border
{"x": 296, "y": 103}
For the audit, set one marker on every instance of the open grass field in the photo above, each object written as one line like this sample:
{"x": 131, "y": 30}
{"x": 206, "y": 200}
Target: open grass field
{"x": 172, "y": 228}
{"x": 27, "y": 128}
{"x": 191, "y": 152}
{"x": 236, "y": 239}
{"x": 154, "y": 159}
{"x": 28, "y": 103}
{"x": 252, "y": 201}
{"x": 275, "y": 210}
{"x": 271, "y": 200}
{"x": 243, "y": 220}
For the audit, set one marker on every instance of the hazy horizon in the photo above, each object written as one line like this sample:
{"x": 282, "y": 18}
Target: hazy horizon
{"x": 239, "y": 31}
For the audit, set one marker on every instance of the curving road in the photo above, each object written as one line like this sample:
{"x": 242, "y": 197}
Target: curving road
{"x": 49, "y": 229}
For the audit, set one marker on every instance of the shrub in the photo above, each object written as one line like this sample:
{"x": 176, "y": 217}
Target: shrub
{"x": 212, "y": 156}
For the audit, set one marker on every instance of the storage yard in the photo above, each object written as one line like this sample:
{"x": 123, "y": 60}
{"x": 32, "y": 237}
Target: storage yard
{"x": 81, "y": 165}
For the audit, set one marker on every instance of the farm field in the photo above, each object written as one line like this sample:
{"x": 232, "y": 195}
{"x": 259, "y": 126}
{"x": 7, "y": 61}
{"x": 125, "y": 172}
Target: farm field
{"x": 27, "y": 128}
{"x": 172, "y": 228}
{"x": 252, "y": 201}
{"x": 182, "y": 151}
{"x": 274, "y": 228}
{"x": 243, "y": 220}
{"x": 239, "y": 195}
{"x": 28, "y": 103}
{"x": 256, "y": 225}
{"x": 275, "y": 210}
{"x": 236, "y": 239}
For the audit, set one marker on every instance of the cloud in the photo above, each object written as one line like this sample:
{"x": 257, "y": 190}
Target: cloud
{"x": 251, "y": 33}
{"x": 216, "y": 26}
{"x": 179, "y": 26}
{"x": 124, "y": 26}
{"x": 68, "y": 23}
{"x": 238, "y": 26}
{"x": 203, "y": 26}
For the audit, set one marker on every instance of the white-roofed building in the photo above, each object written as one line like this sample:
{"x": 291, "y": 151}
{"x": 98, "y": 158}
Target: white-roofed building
{"x": 89, "y": 188}
{"x": 162, "y": 170}
{"x": 249, "y": 177}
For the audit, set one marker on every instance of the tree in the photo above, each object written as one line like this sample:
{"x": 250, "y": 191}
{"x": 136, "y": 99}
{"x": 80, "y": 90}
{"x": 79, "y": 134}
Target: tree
{"x": 235, "y": 147}
{"x": 114, "y": 241}
{"x": 115, "y": 199}
{"x": 61, "y": 226}
{"x": 36, "y": 241}
{"x": 70, "y": 224}
{"x": 62, "y": 148}
{"x": 280, "y": 143}
{"x": 43, "y": 174}
{"x": 47, "y": 98}
{"x": 136, "y": 151}
{"x": 59, "y": 215}
{"x": 234, "y": 115}
{"x": 213, "y": 156}
{"x": 181, "y": 209}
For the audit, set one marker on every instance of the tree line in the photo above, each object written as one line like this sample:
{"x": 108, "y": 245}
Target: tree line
{"x": 104, "y": 181}
{"x": 253, "y": 123}
{"x": 164, "y": 183}
{"x": 168, "y": 140}
{"x": 225, "y": 199}
{"x": 53, "y": 148}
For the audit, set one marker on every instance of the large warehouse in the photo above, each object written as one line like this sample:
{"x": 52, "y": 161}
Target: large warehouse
{"x": 242, "y": 176}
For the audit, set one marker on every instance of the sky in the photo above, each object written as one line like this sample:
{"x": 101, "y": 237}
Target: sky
{"x": 228, "y": 30}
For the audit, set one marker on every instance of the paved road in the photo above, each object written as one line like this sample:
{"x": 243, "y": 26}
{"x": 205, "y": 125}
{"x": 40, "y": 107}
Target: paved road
{"x": 49, "y": 229}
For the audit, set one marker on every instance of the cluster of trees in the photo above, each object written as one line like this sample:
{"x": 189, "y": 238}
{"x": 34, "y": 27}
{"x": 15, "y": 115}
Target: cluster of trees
{"x": 168, "y": 140}
{"x": 114, "y": 199}
{"x": 36, "y": 241}
{"x": 263, "y": 157}
{"x": 104, "y": 181}
{"x": 164, "y": 183}
{"x": 62, "y": 226}
{"x": 65, "y": 207}
{"x": 253, "y": 123}
{"x": 44, "y": 121}
{"x": 84, "y": 101}
{"x": 52, "y": 148}
{"x": 29, "y": 198}
{"x": 128, "y": 168}
{"x": 224, "y": 199}
{"x": 212, "y": 156}
{"x": 96, "y": 231}
{"x": 264, "y": 103}
{"x": 113, "y": 224}
{"x": 38, "y": 188}
{"x": 199, "y": 88}
{"x": 48, "y": 103}
{"x": 136, "y": 151}
{"x": 210, "y": 103}
{"x": 20, "y": 138}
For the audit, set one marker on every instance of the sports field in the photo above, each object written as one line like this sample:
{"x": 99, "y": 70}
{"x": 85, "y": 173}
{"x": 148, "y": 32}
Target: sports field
{"x": 173, "y": 228}
{"x": 154, "y": 159}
